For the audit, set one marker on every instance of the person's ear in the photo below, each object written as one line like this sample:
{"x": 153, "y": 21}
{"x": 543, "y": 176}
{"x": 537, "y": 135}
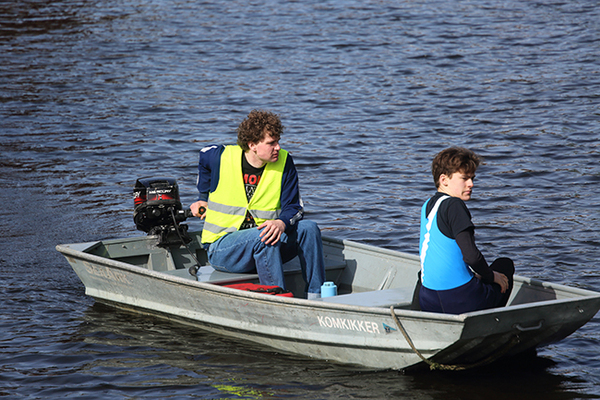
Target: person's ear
{"x": 444, "y": 180}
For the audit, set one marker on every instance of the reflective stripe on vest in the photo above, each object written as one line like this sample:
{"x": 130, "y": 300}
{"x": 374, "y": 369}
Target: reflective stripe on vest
{"x": 228, "y": 204}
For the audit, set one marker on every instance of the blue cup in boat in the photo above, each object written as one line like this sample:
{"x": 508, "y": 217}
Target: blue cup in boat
{"x": 328, "y": 289}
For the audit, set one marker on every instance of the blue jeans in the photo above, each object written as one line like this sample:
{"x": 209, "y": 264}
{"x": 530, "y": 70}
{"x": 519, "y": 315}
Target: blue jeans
{"x": 243, "y": 251}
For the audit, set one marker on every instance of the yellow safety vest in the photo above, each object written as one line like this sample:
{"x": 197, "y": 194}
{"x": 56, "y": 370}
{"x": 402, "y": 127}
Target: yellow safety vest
{"x": 228, "y": 204}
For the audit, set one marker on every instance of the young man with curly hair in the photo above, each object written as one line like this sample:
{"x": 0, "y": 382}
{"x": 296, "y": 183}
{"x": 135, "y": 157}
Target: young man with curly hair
{"x": 250, "y": 202}
{"x": 455, "y": 277}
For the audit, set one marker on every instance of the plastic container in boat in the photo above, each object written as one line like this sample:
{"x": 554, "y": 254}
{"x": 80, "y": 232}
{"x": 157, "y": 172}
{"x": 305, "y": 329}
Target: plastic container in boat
{"x": 328, "y": 289}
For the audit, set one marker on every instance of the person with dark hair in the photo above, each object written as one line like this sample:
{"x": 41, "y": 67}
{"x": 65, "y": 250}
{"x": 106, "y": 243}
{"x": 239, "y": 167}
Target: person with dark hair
{"x": 455, "y": 277}
{"x": 250, "y": 201}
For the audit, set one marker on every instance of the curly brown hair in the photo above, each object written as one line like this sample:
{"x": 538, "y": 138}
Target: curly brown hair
{"x": 256, "y": 125}
{"x": 454, "y": 159}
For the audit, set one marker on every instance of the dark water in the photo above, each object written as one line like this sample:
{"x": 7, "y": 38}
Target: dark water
{"x": 94, "y": 94}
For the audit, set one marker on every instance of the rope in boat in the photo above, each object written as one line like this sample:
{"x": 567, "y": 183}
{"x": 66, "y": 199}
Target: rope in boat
{"x": 450, "y": 367}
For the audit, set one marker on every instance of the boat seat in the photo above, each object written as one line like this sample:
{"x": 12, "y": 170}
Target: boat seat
{"x": 397, "y": 297}
{"x": 208, "y": 274}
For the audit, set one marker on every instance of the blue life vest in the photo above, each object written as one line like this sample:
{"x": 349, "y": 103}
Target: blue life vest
{"x": 442, "y": 264}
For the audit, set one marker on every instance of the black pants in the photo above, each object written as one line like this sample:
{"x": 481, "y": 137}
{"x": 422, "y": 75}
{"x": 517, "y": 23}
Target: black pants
{"x": 475, "y": 295}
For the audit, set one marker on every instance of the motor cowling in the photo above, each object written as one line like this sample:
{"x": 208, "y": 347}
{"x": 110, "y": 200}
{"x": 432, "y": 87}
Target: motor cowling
{"x": 158, "y": 210}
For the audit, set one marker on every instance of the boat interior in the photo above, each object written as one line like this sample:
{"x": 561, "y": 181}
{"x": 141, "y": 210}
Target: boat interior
{"x": 364, "y": 275}
{"x": 378, "y": 283}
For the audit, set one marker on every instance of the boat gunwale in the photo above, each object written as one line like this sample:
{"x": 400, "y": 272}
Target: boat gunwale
{"x": 583, "y": 294}
{"x": 67, "y": 251}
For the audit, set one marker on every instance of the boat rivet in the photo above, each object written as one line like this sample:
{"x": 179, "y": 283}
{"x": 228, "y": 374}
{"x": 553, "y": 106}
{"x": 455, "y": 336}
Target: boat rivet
{"x": 581, "y": 310}
{"x": 497, "y": 319}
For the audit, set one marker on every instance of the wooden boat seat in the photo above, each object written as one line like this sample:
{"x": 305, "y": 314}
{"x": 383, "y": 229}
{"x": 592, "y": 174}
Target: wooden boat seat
{"x": 397, "y": 297}
{"x": 210, "y": 275}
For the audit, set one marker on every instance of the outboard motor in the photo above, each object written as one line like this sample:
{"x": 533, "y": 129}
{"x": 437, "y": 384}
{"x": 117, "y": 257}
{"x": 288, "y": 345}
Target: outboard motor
{"x": 158, "y": 210}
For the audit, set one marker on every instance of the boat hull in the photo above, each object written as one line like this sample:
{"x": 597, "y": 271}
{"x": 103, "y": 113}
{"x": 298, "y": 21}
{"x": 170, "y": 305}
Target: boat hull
{"x": 361, "y": 334}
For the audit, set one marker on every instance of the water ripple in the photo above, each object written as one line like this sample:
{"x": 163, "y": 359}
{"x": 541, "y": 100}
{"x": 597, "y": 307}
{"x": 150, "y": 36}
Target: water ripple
{"x": 95, "y": 94}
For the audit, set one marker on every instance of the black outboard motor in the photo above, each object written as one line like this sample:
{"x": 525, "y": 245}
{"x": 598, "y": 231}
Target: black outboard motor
{"x": 158, "y": 210}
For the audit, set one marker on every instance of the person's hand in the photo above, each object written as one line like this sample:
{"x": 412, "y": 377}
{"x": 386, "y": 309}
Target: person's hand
{"x": 271, "y": 230}
{"x": 199, "y": 209}
{"x": 501, "y": 280}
